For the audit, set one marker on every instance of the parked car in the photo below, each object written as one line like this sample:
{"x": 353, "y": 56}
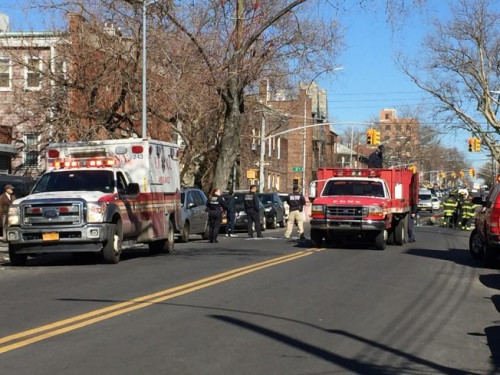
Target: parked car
{"x": 284, "y": 197}
{"x": 22, "y": 184}
{"x": 241, "y": 215}
{"x": 424, "y": 200}
{"x": 436, "y": 203}
{"x": 274, "y": 209}
{"x": 484, "y": 240}
{"x": 194, "y": 214}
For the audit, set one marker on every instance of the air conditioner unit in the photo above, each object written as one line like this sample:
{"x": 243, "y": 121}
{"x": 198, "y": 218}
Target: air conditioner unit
{"x": 254, "y": 146}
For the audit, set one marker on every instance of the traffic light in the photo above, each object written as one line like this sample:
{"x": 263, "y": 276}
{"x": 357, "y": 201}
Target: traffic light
{"x": 412, "y": 169}
{"x": 453, "y": 175}
{"x": 462, "y": 174}
{"x": 369, "y": 136}
{"x": 443, "y": 174}
{"x": 477, "y": 144}
{"x": 471, "y": 144}
{"x": 376, "y": 137}
{"x": 472, "y": 172}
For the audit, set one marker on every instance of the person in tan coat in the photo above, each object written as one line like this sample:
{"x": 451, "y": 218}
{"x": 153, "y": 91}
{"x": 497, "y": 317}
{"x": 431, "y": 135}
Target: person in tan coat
{"x": 6, "y": 200}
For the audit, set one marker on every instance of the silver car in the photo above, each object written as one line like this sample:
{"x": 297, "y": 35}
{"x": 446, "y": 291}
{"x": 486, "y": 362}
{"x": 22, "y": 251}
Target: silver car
{"x": 194, "y": 214}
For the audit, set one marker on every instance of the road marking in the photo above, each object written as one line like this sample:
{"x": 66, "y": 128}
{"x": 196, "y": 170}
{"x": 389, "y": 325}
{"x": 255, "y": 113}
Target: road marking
{"x": 34, "y": 335}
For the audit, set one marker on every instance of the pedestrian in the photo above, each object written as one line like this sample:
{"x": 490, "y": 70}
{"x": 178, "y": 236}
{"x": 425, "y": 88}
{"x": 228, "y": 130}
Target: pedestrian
{"x": 6, "y": 200}
{"x": 252, "y": 209}
{"x": 230, "y": 207}
{"x": 450, "y": 206}
{"x": 296, "y": 202}
{"x": 215, "y": 207}
{"x": 376, "y": 158}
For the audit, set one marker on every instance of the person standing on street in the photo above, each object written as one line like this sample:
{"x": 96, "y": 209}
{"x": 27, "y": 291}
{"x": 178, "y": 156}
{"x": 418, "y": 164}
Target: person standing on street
{"x": 376, "y": 158}
{"x": 6, "y": 200}
{"x": 230, "y": 207}
{"x": 296, "y": 202}
{"x": 253, "y": 211}
{"x": 450, "y": 211}
{"x": 215, "y": 207}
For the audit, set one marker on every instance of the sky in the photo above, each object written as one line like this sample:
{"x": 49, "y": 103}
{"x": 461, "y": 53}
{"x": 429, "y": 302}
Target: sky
{"x": 369, "y": 80}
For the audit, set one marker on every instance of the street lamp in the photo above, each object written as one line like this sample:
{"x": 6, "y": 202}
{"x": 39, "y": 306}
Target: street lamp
{"x": 145, "y": 5}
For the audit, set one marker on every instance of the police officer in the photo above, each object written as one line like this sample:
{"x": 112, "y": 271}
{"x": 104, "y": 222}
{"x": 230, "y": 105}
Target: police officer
{"x": 253, "y": 212}
{"x": 296, "y": 202}
{"x": 450, "y": 206}
{"x": 230, "y": 207}
{"x": 215, "y": 207}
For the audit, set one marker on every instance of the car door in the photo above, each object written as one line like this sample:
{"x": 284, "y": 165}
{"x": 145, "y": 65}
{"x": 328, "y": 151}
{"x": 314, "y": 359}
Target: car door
{"x": 280, "y": 209}
{"x": 199, "y": 212}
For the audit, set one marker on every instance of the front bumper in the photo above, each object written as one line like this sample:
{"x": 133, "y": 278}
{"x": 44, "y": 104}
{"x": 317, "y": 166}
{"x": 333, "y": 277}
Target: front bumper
{"x": 348, "y": 225}
{"x": 86, "y": 238}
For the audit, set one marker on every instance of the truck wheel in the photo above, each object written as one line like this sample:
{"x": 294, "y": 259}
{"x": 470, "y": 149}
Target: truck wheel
{"x": 169, "y": 243}
{"x": 317, "y": 237}
{"x": 476, "y": 245}
{"x": 185, "y": 232}
{"x": 17, "y": 260}
{"x": 113, "y": 248}
{"x": 399, "y": 233}
{"x": 380, "y": 241}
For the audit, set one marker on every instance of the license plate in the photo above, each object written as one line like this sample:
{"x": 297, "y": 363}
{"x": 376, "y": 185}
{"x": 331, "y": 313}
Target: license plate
{"x": 50, "y": 236}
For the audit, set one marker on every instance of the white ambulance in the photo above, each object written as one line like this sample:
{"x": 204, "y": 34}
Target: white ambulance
{"x": 95, "y": 195}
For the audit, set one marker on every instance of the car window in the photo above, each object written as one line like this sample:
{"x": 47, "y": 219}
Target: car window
{"x": 197, "y": 198}
{"x": 189, "y": 199}
{"x": 492, "y": 197}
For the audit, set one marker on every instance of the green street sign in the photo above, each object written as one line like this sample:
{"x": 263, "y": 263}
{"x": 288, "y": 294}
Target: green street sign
{"x": 296, "y": 169}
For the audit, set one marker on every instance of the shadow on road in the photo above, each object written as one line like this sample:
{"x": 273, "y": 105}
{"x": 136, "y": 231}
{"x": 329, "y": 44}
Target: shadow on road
{"x": 459, "y": 256}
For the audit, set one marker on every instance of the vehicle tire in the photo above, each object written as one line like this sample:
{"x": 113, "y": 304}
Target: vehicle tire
{"x": 165, "y": 246}
{"x": 274, "y": 223}
{"x": 185, "y": 232}
{"x": 113, "y": 247}
{"x": 282, "y": 223}
{"x": 476, "y": 245}
{"x": 317, "y": 237}
{"x": 399, "y": 233}
{"x": 205, "y": 234}
{"x": 380, "y": 240}
{"x": 17, "y": 260}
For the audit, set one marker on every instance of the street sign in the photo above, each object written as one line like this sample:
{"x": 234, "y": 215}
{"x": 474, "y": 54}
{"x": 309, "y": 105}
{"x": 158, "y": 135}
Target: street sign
{"x": 296, "y": 169}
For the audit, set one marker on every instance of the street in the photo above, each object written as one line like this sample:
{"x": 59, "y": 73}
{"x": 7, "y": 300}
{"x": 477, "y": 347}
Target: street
{"x": 256, "y": 306}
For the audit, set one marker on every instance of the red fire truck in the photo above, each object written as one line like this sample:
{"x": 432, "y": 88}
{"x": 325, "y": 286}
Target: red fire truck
{"x": 94, "y": 195}
{"x": 366, "y": 204}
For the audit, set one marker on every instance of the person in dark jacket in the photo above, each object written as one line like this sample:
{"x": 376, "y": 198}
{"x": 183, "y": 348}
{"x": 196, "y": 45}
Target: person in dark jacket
{"x": 230, "y": 207}
{"x": 376, "y": 159}
{"x": 296, "y": 202}
{"x": 6, "y": 200}
{"x": 215, "y": 207}
{"x": 253, "y": 211}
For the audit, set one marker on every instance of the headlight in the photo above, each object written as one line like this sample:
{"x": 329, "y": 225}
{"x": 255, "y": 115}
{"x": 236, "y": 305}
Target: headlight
{"x": 375, "y": 210}
{"x": 95, "y": 212}
{"x": 317, "y": 209}
{"x": 267, "y": 209}
{"x": 242, "y": 213}
{"x": 14, "y": 218}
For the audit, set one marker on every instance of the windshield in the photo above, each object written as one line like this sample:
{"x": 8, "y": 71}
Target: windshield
{"x": 266, "y": 198}
{"x": 425, "y": 197}
{"x": 91, "y": 180}
{"x": 358, "y": 188}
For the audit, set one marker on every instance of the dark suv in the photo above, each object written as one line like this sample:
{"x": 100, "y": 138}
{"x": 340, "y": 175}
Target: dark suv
{"x": 274, "y": 209}
{"x": 484, "y": 241}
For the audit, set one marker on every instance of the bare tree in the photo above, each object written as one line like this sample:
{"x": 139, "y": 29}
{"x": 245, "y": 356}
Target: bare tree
{"x": 460, "y": 68}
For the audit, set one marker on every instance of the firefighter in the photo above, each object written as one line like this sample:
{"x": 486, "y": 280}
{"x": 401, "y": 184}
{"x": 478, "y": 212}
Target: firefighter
{"x": 450, "y": 211}
{"x": 468, "y": 212}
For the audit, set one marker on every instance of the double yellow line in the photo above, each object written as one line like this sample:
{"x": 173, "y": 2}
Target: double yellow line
{"x": 31, "y": 336}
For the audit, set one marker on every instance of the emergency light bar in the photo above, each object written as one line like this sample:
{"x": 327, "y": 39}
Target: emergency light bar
{"x": 83, "y": 163}
{"x": 356, "y": 173}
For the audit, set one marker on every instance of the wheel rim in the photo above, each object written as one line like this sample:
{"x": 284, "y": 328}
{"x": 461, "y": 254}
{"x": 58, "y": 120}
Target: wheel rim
{"x": 185, "y": 231}
{"x": 275, "y": 221}
{"x": 477, "y": 245}
{"x": 116, "y": 244}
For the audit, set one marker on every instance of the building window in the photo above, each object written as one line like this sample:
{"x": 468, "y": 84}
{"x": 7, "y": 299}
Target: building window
{"x": 5, "y": 74}
{"x": 31, "y": 152}
{"x": 269, "y": 180}
{"x": 279, "y": 148}
{"x": 33, "y": 75}
{"x": 278, "y": 181}
{"x": 388, "y": 128}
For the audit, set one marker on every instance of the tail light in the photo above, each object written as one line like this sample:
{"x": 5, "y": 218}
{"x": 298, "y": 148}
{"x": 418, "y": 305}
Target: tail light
{"x": 495, "y": 219}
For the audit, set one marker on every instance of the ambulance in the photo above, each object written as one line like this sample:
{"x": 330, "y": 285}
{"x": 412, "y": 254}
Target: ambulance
{"x": 96, "y": 196}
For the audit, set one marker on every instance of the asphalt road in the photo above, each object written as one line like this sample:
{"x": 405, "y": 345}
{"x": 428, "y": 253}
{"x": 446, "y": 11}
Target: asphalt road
{"x": 256, "y": 306}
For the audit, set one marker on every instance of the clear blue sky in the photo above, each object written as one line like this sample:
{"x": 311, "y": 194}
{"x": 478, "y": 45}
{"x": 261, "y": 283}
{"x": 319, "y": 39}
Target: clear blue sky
{"x": 370, "y": 80}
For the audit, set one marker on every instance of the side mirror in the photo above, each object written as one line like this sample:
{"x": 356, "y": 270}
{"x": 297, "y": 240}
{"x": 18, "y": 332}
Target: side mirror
{"x": 191, "y": 205}
{"x": 132, "y": 189}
